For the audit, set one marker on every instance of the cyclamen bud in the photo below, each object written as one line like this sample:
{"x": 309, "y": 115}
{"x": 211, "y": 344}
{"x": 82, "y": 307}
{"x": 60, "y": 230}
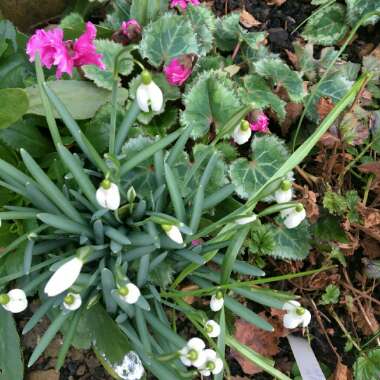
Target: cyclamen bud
{"x": 242, "y": 133}
{"x": 148, "y": 94}
{"x": 130, "y": 32}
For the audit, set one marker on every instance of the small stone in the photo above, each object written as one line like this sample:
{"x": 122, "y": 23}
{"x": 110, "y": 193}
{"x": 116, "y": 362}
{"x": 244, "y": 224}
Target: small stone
{"x": 51, "y": 374}
{"x": 81, "y": 370}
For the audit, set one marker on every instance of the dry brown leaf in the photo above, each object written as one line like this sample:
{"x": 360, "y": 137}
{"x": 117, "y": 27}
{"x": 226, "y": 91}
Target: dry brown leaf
{"x": 292, "y": 58}
{"x": 189, "y": 299}
{"x": 247, "y": 20}
{"x": 43, "y": 375}
{"x": 342, "y": 372}
{"x": 262, "y": 342}
{"x": 371, "y": 247}
{"x": 367, "y": 324}
{"x": 324, "y": 106}
{"x": 277, "y": 3}
{"x": 310, "y": 203}
{"x": 329, "y": 140}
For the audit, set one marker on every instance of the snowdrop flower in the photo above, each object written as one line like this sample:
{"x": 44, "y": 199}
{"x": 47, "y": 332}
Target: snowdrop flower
{"x": 14, "y": 301}
{"x": 295, "y": 315}
{"x": 212, "y": 329}
{"x": 72, "y": 301}
{"x": 64, "y": 277}
{"x": 193, "y": 353}
{"x": 148, "y": 94}
{"x": 284, "y": 193}
{"x": 177, "y": 71}
{"x": 246, "y": 219}
{"x": 130, "y": 368}
{"x": 173, "y": 232}
{"x": 213, "y": 364}
{"x": 108, "y": 195}
{"x": 242, "y": 133}
{"x": 130, "y": 293}
{"x": 293, "y": 216}
{"x": 217, "y": 301}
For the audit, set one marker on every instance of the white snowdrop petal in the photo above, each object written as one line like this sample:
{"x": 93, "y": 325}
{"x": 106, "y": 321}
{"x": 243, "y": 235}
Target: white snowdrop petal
{"x": 101, "y": 197}
{"x": 290, "y": 305}
{"x": 113, "y": 197}
{"x": 215, "y": 329}
{"x": 76, "y": 304}
{"x": 282, "y": 196}
{"x": 156, "y": 97}
{"x": 196, "y": 344}
{"x": 200, "y": 361}
{"x": 218, "y": 366}
{"x": 216, "y": 304}
{"x": 17, "y": 301}
{"x": 131, "y": 367}
{"x": 142, "y": 97}
{"x": 133, "y": 294}
{"x": 175, "y": 234}
{"x": 205, "y": 372}
{"x": 291, "y": 320}
{"x": 306, "y": 318}
{"x": 294, "y": 218}
{"x": 64, "y": 277}
{"x": 241, "y": 136}
{"x": 246, "y": 220}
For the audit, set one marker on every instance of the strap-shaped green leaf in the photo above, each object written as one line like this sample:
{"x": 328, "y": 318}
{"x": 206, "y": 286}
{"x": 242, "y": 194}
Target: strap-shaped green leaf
{"x": 49, "y": 188}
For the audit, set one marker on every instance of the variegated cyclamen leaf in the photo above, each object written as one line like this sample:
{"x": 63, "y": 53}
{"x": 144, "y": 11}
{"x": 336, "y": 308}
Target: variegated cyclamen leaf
{"x": 320, "y": 2}
{"x": 293, "y": 244}
{"x": 110, "y": 50}
{"x": 257, "y": 91}
{"x": 356, "y": 9}
{"x": 268, "y": 155}
{"x": 328, "y": 26}
{"x": 212, "y": 99}
{"x": 280, "y": 73}
{"x": 145, "y": 11}
{"x": 334, "y": 86}
{"x": 169, "y": 37}
{"x": 203, "y": 23}
{"x": 228, "y": 31}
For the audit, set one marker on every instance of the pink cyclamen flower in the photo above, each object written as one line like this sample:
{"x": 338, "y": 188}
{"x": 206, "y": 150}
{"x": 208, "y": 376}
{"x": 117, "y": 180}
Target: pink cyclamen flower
{"x": 85, "y": 50}
{"x": 183, "y": 3}
{"x": 66, "y": 55}
{"x": 260, "y": 124}
{"x": 177, "y": 72}
{"x": 52, "y": 49}
{"x": 131, "y": 31}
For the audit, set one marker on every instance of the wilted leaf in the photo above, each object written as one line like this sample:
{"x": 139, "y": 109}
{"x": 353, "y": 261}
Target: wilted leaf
{"x": 324, "y": 107}
{"x": 342, "y": 372}
{"x": 247, "y": 20}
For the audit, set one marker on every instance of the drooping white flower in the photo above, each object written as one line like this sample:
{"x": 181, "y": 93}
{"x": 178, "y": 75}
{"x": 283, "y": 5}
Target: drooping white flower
{"x": 242, "y": 133}
{"x": 246, "y": 219}
{"x": 213, "y": 364}
{"x": 72, "y": 301}
{"x": 14, "y": 301}
{"x": 148, "y": 94}
{"x": 212, "y": 329}
{"x": 295, "y": 315}
{"x": 130, "y": 293}
{"x": 131, "y": 367}
{"x": 108, "y": 195}
{"x": 193, "y": 353}
{"x": 217, "y": 301}
{"x": 173, "y": 232}
{"x": 284, "y": 193}
{"x": 293, "y": 216}
{"x": 64, "y": 277}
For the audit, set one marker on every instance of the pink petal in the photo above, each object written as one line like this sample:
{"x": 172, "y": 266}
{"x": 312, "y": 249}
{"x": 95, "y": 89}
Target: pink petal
{"x": 176, "y": 73}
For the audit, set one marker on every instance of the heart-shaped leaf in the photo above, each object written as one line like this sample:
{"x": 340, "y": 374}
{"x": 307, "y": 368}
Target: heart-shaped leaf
{"x": 14, "y": 104}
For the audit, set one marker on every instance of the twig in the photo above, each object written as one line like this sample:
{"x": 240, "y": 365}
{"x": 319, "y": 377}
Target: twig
{"x": 319, "y": 320}
{"x": 362, "y": 294}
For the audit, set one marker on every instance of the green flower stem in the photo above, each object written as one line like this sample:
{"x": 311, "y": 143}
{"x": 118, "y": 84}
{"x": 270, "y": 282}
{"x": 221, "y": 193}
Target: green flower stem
{"x": 46, "y": 103}
{"x": 112, "y": 138}
{"x": 241, "y": 284}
